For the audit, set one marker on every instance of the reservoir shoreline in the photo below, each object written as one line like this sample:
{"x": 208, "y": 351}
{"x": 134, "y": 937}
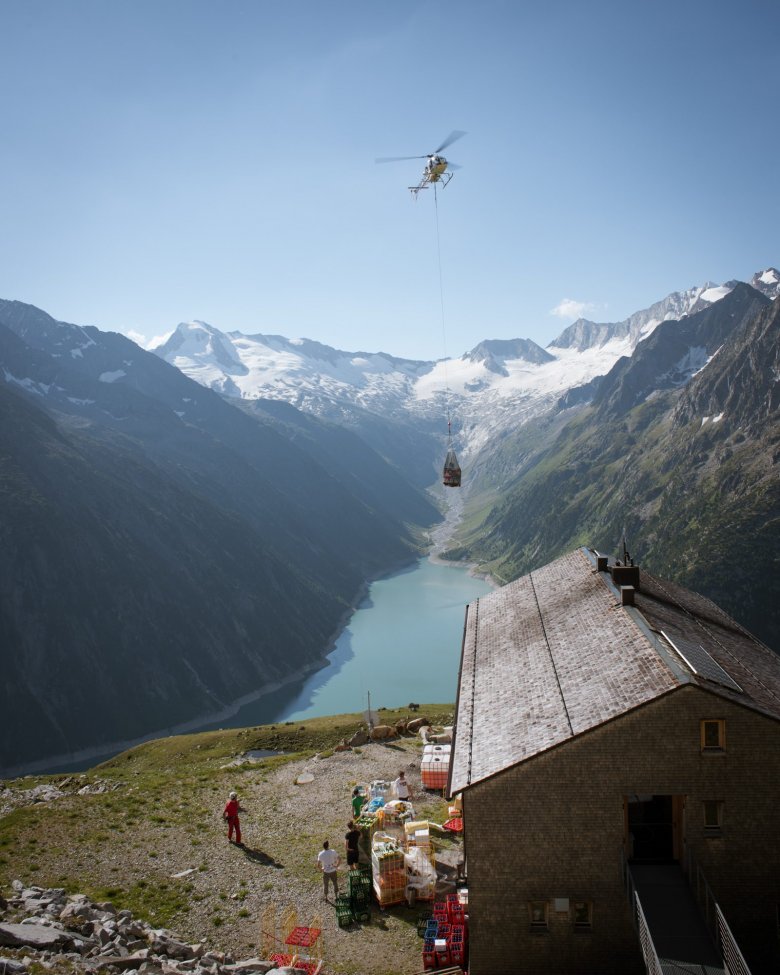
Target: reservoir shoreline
{"x": 303, "y": 677}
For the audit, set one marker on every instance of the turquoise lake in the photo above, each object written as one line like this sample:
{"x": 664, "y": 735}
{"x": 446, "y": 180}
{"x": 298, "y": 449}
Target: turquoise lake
{"x": 402, "y": 644}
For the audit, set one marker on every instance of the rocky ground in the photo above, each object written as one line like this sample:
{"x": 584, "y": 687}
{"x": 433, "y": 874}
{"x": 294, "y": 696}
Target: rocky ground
{"x": 51, "y": 930}
{"x": 145, "y": 842}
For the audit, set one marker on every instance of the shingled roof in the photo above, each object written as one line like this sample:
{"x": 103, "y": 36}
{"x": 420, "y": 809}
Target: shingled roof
{"x": 555, "y": 654}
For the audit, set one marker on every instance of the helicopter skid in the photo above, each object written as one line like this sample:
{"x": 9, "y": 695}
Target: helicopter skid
{"x": 444, "y": 178}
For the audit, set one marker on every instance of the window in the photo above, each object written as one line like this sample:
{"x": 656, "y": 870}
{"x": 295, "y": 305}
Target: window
{"x": 713, "y": 736}
{"x": 583, "y": 915}
{"x": 537, "y": 911}
{"x": 713, "y": 817}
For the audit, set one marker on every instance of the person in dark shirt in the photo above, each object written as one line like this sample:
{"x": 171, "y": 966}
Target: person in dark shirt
{"x": 352, "y": 839}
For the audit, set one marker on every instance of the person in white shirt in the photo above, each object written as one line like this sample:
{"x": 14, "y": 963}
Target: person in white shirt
{"x": 401, "y": 787}
{"x": 328, "y": 861}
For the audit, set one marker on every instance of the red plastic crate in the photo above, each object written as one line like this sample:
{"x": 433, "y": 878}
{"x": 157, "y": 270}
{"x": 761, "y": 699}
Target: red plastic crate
{"x": 302, "y": 936}
{"x": 456, "y": 914}
{"x": 458, "y": 955}
{"x": 311, "y": 967}
{"x": 443, "y": 958}
{"x": 283, "y": 961}
{"x": 429, "y": 955}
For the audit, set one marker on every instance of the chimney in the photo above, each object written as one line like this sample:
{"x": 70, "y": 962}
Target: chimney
{"x": 627, "y": 595}
{"x": 626, "y": 575}
{"x": 602, "y": 563}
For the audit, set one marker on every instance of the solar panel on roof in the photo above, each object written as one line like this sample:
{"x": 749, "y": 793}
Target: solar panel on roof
{"x": 701, "y": 662}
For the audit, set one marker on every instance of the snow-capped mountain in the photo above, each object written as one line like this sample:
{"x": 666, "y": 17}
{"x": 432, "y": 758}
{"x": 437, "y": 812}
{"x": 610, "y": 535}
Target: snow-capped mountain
{"x": 498, "y": 385}
{"x": 767, "y": 282}
{"x": 308, "y": 374}
{"x": 585, "y": 334}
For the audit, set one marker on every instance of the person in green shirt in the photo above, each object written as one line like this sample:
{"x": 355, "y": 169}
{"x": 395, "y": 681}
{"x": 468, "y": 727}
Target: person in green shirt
{"x": 358, "y": 801}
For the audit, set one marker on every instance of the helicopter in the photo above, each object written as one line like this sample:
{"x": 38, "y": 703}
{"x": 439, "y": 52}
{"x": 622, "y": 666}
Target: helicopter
{"x": 437, "y": 168}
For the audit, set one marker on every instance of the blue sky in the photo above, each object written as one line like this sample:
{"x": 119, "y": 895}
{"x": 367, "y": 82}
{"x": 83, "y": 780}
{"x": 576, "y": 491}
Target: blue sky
{"x": 164, "y": 160}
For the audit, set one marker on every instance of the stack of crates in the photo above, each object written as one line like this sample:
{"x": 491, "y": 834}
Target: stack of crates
{"x": 435, "y": 766}
{"x": 389, "y": 873}
{"x": 359, "y": 886}
{"x": 446, "y": 935}
{"x": 457, "y": 945}
{"x": 343, "y": 911}
{"x": 429, "y": 955}
{"x": 429, "y": 958}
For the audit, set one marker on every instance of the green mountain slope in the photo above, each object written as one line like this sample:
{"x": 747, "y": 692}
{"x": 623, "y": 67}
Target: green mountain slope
{"x": 162, "y": 553}
{"x": 689, "y": 473}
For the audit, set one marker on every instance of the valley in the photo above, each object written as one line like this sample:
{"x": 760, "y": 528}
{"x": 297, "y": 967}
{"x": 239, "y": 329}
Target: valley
{"x": 208, "y": 514}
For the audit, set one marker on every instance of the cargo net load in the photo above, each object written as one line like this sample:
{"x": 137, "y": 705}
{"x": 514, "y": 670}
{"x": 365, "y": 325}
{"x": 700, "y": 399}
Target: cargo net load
{"x": 451, "y": 474}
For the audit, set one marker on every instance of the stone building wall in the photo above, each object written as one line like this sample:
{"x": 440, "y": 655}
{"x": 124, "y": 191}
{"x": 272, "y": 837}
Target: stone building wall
{"x": 554, "y": 827}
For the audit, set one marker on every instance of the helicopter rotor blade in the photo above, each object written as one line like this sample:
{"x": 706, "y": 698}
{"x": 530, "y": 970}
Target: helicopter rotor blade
{"x": 385, "y": 159}
{"x": 451, "y": 165}
{"x": 452, "y": 137}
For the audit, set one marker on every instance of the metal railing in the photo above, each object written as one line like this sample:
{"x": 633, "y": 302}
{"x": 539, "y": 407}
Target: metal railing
{"x": 733, "y": 960}
{"x": 650, "y": 955}
{"x": 703, "y": 894}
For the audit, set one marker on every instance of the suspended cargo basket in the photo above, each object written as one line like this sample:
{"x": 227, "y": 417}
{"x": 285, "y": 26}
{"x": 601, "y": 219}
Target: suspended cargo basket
{"x": 451, "y": 476}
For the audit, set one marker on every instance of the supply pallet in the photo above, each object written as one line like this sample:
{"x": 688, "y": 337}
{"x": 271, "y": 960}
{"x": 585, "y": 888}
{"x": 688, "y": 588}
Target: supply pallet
{"x": 389, "y": 874}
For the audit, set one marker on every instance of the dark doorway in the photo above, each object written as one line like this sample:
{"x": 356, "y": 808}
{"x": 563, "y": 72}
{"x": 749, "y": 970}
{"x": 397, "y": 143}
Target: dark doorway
{"x": 650, "y": 823}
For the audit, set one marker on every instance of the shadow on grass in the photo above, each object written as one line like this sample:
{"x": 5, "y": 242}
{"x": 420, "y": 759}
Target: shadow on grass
{"x": 258, "y": 856}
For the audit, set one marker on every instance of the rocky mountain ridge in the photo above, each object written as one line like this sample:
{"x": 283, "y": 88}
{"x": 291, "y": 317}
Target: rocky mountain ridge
{"x": 682, "y": 461}
{"x": 149, "y": 525}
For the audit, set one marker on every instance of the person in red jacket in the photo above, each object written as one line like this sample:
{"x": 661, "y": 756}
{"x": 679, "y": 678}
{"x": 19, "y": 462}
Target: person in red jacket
{"x": 230, "y": 813}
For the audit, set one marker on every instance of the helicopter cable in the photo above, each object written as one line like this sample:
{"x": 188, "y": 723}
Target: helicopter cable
{"x": 443, "y": 329}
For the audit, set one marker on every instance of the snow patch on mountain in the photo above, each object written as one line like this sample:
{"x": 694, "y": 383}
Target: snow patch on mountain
{"x": 31, "y": 385}
{"x": 694, "y": 360}
{"x": 712, "y": 419}
{"x": 712, "y": 295}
